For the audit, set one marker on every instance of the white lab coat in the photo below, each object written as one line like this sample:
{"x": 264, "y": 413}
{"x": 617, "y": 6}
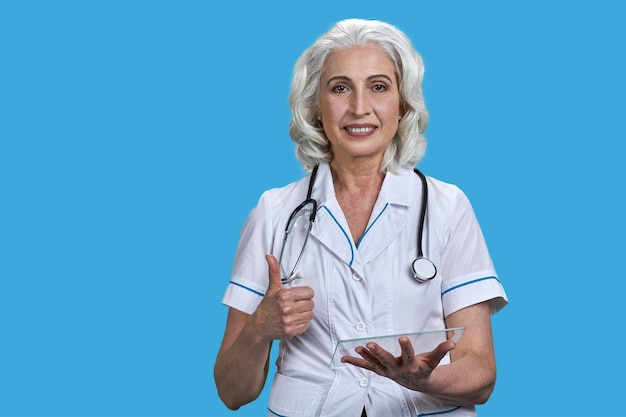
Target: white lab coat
{"x": 364, "y": 289}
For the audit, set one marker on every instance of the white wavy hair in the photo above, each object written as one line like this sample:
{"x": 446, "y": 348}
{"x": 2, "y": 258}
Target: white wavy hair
{"x": 312, "y": 146}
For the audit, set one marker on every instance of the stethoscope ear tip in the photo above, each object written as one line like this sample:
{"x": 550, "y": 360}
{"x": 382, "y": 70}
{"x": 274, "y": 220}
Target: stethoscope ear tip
{"x": 423, "y": 269}
{"x": 290, "y": 278}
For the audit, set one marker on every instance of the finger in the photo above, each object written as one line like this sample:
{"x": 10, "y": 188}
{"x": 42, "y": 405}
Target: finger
{"x": 366, "y": 361}
{"x": 378, "y": 356}
{"x": 305, "y": 293}
{"x": 408, "y": 354}
{"x": 273, "y": 269}
{"x": 361, "y": 363}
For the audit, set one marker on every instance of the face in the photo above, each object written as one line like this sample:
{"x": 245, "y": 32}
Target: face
{"x": 359, "y": 104}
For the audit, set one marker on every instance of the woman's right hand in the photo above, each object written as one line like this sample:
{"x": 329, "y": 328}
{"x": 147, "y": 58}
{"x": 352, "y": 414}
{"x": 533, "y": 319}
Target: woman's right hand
{"x": 284, "y": 312}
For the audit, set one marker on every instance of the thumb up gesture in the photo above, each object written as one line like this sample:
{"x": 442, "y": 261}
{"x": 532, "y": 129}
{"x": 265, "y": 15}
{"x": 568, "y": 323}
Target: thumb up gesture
{"x": 283, "y": 312}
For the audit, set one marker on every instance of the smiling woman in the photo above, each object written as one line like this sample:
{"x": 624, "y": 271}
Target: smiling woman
{"x": 345, "y": 271}
{"x": 359, "y": 106}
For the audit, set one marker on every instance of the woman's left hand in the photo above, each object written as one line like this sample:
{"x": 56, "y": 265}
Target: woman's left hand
{"x": 408, "y": 369}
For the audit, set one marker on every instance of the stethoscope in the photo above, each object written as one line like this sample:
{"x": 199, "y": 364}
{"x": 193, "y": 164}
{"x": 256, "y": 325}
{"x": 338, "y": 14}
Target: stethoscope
{"x": 423, "y": 268}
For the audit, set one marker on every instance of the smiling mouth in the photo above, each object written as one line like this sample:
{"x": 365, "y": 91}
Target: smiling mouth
{"x": 360, "y": 129}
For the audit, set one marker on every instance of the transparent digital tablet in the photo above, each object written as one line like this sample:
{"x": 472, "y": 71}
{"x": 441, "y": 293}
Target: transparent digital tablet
{"x": 421, "y": 341}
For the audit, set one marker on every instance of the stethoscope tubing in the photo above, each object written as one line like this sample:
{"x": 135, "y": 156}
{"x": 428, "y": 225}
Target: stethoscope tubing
{"x": 423, "y": 268}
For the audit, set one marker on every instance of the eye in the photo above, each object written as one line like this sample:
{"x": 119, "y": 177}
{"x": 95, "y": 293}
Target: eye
{"x": 379, "y": 87}
{"x": 340, "y": 89}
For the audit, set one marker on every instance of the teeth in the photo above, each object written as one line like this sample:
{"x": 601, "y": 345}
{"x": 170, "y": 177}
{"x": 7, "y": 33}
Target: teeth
{"x": 360, "y": 129}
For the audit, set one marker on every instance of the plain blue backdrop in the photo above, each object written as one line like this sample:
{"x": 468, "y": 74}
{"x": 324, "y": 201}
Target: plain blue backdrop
{"x": 135, "y": 136}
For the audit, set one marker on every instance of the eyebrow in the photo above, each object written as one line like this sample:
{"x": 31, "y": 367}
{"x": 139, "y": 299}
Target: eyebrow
{"x": 345, "y": 78}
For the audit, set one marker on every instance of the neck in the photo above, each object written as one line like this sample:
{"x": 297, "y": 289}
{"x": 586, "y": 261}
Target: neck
{"x": 356, "y": 177}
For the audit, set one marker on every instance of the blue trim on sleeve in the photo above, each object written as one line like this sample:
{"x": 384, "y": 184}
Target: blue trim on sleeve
{"x": 344, "y": 233}
{"x": 468, "y": 283}
{"x": 276, "y": 414}
{"x": 370, "y": 226}
{"x": 247, "y": 288}
{"x": 438, "y": 412}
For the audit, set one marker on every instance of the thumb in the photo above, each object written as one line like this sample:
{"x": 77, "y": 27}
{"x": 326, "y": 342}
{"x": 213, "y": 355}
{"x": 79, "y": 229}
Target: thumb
{"x": 274, "y": 273}
{"x": 440, "y": 351}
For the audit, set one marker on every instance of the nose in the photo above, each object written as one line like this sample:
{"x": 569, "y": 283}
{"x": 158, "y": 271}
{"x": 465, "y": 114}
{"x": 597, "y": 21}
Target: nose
{"x": 359, "y": 103}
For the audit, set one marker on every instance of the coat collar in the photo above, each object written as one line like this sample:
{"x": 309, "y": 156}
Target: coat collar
{"x": 386, "y": 222}
{"x": 397, "y": 189}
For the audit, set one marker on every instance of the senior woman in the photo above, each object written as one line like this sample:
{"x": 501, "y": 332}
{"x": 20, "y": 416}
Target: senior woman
{"x": 345, "y": 265}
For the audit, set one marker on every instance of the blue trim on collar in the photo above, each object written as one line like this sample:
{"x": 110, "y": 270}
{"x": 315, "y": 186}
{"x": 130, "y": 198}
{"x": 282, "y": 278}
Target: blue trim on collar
{"x": 344, "y": 233}
{"x": 370, "y": 226}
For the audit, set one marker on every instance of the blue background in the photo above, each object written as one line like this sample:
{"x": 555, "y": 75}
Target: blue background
{"x": 136, "y": 136}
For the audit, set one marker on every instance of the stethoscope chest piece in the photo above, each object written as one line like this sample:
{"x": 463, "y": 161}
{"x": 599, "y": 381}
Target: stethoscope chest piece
{"x": 423, "y": 269}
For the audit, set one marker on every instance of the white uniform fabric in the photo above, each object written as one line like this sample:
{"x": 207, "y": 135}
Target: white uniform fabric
{"x": 364, "y": 288}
